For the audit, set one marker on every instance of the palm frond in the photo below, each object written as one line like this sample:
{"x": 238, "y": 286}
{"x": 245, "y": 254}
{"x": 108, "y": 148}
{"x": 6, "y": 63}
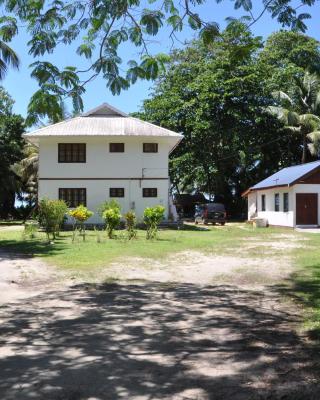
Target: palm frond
{"x": 7, "y": 58}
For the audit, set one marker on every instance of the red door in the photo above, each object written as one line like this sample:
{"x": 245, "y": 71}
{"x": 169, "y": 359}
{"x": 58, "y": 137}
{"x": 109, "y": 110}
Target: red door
{"x": 306, "y": 209}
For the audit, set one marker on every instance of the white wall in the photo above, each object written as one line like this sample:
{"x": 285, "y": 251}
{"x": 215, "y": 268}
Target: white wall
{"x": 280, "y": 218}
{"x": 102, "y": 164}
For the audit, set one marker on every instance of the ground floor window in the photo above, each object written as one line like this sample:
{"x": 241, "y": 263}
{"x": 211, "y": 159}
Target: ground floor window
{"x": 263, "y": 202}
{"x": 285, "y": 202}
{"x": 116, "y": 192}
{"x": 276, "y": 202}
{"x": 149, "y": 192}
{"x": 73, "y": 196}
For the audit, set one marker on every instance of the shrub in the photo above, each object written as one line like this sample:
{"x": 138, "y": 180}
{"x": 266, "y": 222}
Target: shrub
{"x": 112, "y": 218}
{"x": 152, "y": 217}
{"x": 51, "y": 215}
{"x": 80, "y": 215}
{"x": 30, "y": 230}
{"x": 131, "y": 219}
{"x": 107, "y": 205}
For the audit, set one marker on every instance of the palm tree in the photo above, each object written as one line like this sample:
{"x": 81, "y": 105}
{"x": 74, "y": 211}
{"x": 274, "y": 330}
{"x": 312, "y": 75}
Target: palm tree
{"x": 300, "y": 112}
{"x": 7, "y": 58}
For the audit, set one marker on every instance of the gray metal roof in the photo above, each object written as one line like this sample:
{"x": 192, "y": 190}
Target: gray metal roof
{"x": 287, "y": 176}
{"x": 104, "y": 120}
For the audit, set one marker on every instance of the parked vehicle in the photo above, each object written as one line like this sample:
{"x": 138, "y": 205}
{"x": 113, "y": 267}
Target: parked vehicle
{"x": 211, "y": 212}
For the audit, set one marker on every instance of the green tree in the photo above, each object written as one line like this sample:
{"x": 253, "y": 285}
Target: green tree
{"x": 100, "y": 28}
{"x": 218, "y": 97}
{"x": 300, "y": 112}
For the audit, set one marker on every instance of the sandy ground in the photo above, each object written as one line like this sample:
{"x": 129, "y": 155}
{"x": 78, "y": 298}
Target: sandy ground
{"x": 192, "y": 327}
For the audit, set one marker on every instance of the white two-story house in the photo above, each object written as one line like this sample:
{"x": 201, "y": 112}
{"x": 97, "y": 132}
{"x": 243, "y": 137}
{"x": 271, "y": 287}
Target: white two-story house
{"x": 105, "y": 154}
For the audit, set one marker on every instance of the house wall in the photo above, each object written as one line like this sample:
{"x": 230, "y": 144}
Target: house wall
{"x": 131, "y": 170}
{"x": 280, "y": 218}
{"x": 273, "y": 217}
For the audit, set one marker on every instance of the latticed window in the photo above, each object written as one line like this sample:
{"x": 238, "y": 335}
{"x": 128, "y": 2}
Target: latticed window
{"x": 277, "y": 202}
{"x": 72, "y": 152}
{"x": 116, "y": 192}
{"x": 150, "y": 147}
{"x": 150, "y": 192}
{"x": 116, "y": 147}
{"x": 73, "y": 197}
{"x": 285, "y": 202}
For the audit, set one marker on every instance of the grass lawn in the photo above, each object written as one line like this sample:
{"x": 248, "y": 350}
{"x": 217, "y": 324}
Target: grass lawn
{"x": 303, "y": 285}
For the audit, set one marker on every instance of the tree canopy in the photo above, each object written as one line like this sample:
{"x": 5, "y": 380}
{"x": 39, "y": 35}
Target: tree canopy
{"x": 99, "y": 28}
{"x": 218, "y": 96}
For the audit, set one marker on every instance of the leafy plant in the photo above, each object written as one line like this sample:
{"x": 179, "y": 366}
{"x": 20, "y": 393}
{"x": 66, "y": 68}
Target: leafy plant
{"x": 80, "y": 215}
{"x": 51, "y": 216}
{"x": 30, "y": 230}
{"x": 130, "y": 218}
{"x": 112, "y": 218}
{"x": 152, "y": 217}
{"x": 107, "y": 205}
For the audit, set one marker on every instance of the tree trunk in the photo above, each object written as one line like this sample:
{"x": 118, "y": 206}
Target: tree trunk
{"x": 304, "y": 150}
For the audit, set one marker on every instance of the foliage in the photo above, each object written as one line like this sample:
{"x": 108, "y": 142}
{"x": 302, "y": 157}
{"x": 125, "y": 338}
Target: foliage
{"x": 30, "y": 230}
{"x": 301, "y": 113}
{"x": 80, "y": 215}
{"x": 152, "y": 217}
{"x": 99, "y": 29}
{"x": 51, "y": 215}
{"x": 11, "y": 150}
{"x": 6, "y": 102}
{"x": 218, "y": 98}
{"x": 107, "y": 205}
{"x": 130, "y": 218}
{"x": 112, "y": 219}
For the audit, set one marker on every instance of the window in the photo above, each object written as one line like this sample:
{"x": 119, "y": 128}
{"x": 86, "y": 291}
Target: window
{"x": 276, "y": 202}
{"x": 116, "y": 147}
{"x": 116, "y": 192}
{"x": 150, "y": 192}
{"x": 72, "y": 152}
{"x": 73, "y": 197}
{"x": 285, "y": 202}
{"x": 150, "y": 147}
{"x": 263, "y": 202}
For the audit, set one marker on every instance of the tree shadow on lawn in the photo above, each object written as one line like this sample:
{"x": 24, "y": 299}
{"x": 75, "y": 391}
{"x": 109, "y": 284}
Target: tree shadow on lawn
{"x": 154, "y": 341}
{"x": 304, "y": 287}
{"x": 31, "y": 248}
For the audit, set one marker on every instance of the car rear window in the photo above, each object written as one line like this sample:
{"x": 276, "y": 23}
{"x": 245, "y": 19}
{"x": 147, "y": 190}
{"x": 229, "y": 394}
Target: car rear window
{"x": 216, "y": 207}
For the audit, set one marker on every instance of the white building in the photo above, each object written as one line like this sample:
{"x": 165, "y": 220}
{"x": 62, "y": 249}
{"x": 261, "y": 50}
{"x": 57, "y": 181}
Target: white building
{"x": 104, "y": 154}
{"x": 289, "y": 198}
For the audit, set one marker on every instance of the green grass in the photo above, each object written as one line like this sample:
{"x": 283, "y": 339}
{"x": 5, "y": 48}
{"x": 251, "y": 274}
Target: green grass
{"x": 91, "y": 254}
{"x": 82, "y": 257}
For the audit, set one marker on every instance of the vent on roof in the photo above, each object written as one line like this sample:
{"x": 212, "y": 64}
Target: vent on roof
{"x": 105, "y": 110}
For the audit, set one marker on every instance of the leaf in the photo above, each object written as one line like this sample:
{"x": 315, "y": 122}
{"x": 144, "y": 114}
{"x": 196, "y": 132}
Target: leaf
{"x": 194, "y": 21}
{"x": 152, "y": 21}
{"x": 209, "y": 33}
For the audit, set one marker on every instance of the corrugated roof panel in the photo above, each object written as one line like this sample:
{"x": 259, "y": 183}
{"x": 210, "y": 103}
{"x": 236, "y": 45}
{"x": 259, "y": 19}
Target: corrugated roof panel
{"x": 286, "y": 176}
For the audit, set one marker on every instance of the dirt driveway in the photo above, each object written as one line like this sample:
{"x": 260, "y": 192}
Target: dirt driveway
{"x": 210, "y": 328}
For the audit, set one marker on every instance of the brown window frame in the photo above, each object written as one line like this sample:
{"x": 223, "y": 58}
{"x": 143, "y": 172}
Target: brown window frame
{"x": 116, "y": 192}
{"x": 75, "y": 150}
{"x": 146, "y": 150}
{"x": 286, "y": 202}
{"x": 116, "y": 147}
{"x": 76, "y": 200}
{"x": 149, "y": 192}
{"x": 277, "y": 202}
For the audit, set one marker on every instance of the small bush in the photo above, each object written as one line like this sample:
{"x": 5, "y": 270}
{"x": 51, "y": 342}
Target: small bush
{"x": 30, "y": 230}
{"x": 130, "y": 218}
{"x": 80, "y": 215}
{"x": 108, "y": 205}
{"x": 152, "y": 217}
{"x": 51, "y": 216}
{"x": 112, "y": 218}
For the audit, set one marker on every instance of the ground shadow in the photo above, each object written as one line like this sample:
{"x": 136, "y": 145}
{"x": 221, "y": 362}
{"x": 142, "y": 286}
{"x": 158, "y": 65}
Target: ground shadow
{"x": 154, "y": 341}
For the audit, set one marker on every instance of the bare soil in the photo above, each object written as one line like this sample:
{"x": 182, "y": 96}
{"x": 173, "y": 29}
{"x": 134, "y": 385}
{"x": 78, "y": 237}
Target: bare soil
{"x": 193, "y": 326}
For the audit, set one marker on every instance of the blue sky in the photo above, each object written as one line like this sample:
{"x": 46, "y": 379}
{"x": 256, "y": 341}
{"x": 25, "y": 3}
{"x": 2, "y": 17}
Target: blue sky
{"x": 21, "y": 86}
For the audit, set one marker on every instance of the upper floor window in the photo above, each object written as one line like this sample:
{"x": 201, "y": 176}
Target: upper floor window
{"x": 276, "y": 202}
{"x": 116, "y": 147}
{"x": 73, "y": 197}
{"x": 150, "y": 147}
{"x": 149, "y": 192}
{"x": 116, "y": 192}
{"x": 263, "y": 202}
{"x": 72, "y": 152}
{"x": 285, "y": 202}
